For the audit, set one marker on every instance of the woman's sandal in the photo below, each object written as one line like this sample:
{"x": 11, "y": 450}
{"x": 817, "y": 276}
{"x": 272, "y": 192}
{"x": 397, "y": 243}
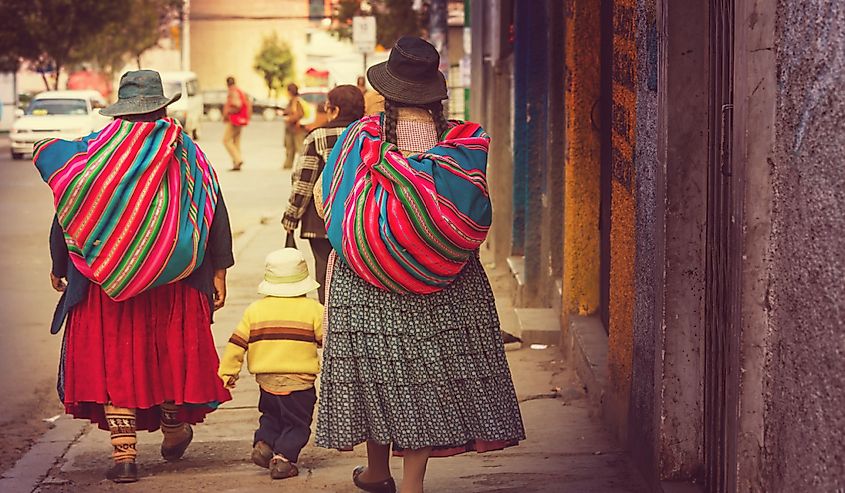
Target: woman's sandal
{"x": 386, "y": 486}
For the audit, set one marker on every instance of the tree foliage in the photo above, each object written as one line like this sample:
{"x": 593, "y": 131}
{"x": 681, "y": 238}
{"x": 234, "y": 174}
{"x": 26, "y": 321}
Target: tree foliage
{"x": 394, "y": 19}
{"x": 56, "y": 34}
{"x": 120, "y": 42}
{"x": 274, "y": 61}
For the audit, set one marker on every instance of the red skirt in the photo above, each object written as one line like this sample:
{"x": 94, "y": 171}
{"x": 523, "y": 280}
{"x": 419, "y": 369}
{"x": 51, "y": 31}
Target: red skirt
{"x": 141, "y": 352}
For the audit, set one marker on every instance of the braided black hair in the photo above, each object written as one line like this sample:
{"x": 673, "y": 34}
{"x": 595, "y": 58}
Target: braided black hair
{"x": 391, "y": 117}
{"x": 440, "y": 121}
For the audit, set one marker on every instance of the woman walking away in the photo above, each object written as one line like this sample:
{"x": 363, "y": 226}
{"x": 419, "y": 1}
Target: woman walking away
{"x": 344, "y": 105}
{"x": 236, "y": 112}
{"x": 413, "y": 357}
{"x": 294, "y": 112}
{"x": 140, "y": 247}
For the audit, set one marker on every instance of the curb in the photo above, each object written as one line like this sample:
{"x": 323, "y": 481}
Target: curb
{"x": 30, "y": 470}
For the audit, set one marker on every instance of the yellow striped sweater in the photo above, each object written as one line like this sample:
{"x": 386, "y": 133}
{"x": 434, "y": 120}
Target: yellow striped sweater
{"x": 278, "y": 335}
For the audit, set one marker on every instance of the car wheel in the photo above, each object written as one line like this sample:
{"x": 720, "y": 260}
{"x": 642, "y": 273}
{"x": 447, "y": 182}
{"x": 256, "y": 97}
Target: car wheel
{"x": 214, "y": 114}
{"x": 269, "y": 114}
{"x": 17, "y": 155}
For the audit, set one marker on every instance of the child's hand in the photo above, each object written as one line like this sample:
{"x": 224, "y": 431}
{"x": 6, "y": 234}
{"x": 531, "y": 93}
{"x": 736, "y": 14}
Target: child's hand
{"x": 229, "y": 381}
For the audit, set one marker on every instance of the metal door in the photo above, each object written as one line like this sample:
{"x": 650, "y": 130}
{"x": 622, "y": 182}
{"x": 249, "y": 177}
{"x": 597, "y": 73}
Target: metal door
{"x": 723, "y": 257}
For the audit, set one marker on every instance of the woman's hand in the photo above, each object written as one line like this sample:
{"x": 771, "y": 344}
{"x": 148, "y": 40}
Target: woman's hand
{"x": 58, "y": 283}
{"x": 219, "y": 289}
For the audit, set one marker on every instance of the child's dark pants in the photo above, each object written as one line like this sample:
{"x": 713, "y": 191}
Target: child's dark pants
{"x": 285, "y": 422}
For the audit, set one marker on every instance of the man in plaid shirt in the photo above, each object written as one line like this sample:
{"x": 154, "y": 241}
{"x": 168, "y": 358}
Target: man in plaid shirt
{"x": 344, "y": 105}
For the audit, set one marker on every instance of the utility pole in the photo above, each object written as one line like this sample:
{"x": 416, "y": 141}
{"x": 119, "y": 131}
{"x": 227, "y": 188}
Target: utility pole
{"x": 185, "y": 45}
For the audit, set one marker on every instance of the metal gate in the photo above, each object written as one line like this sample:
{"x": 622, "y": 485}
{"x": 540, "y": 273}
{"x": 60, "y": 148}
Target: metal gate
{"x": 723, "y": 261}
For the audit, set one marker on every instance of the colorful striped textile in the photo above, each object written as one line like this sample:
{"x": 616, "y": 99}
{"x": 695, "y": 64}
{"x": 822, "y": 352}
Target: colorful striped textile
{"x": 135, "y": 201}
{"x": 407, "y": 224}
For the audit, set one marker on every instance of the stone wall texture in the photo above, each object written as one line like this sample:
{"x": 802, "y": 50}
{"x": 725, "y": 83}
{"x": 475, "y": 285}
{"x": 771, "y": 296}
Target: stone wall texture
{"x": 805, "y": 383}
{"x": 583, "y": 155}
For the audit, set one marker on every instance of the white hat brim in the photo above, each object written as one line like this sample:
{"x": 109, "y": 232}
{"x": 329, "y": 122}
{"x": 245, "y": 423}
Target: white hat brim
{"x": 288, "y": 289}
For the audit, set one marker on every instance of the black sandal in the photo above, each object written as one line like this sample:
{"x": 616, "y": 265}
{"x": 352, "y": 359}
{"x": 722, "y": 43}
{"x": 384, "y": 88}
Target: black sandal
{"x": 386, "y": 486}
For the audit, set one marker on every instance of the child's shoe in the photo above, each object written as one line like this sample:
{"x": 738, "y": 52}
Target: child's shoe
{"x": 262, "y": 454}
{"x": 281, "y": 468}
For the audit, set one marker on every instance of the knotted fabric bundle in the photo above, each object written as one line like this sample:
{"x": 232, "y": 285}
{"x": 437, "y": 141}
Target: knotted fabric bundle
{"x": 135, "y": 202}
{"x": 407, "y": 224}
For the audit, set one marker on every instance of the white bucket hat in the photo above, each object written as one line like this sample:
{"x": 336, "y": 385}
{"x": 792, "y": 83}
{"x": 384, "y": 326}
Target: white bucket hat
{"x": 286, "y": 275}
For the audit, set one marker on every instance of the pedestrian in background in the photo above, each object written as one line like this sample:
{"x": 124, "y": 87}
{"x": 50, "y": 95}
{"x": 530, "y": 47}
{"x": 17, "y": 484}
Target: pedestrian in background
{"x": 280, "y": 334}
{"x": 293, "y": 113}
{"x": 236, "y": 113}
{"x": 373, "y": 101}
{"x": 344, "y": 105}
{"x": 413, "y": 359}
{"x": 138, "y": 283}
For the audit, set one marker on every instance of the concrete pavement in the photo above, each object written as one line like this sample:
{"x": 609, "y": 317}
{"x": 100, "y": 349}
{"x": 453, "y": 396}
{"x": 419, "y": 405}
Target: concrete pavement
{"x": 567, "y": 449}
{"x": 29, "y": 354}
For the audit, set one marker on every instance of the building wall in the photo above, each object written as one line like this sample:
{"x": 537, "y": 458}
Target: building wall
{"x": 668, "y": 389}
{"x": 648, "y": 231}
{"x": 222, "y": 46}
{"x": 805, "y": 381}
{"x": 623, "y": 209}
{"x": 582, "y": 159}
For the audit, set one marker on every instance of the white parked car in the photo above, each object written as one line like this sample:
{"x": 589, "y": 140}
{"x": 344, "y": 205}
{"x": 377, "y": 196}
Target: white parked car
{"x": 57, "y": 114}
{"x": 188, "y": 110}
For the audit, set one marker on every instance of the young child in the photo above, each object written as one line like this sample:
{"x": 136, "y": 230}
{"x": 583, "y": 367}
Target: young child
{"x": 280, "y": 333}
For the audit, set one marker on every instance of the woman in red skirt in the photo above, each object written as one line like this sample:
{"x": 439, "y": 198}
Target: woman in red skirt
{"x": 140, "y": 247}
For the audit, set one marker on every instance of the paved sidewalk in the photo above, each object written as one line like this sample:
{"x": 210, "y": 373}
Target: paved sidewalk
{"x": 567, "y": 449}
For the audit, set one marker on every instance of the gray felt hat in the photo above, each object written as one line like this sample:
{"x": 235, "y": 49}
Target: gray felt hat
{"x": 140, "y": 92}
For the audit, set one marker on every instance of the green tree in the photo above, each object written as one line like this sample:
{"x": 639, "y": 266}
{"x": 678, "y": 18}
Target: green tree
{"x": 16, "y": 43}
{"x": 50, "y": 33}
{"x": 119, "y": 42}
{"x": 56, "y": 34}
{"x": 394, "y": 19}
{"x": 274, "y": 61}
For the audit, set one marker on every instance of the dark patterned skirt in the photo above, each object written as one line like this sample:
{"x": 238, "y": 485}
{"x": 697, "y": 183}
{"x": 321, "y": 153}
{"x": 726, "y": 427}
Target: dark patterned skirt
{"x": 416, "y": 371}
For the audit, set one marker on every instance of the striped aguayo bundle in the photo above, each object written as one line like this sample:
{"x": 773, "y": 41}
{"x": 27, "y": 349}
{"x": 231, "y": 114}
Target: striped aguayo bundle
{"x": 407, "y": 224}
{"x": 135, "y": 201}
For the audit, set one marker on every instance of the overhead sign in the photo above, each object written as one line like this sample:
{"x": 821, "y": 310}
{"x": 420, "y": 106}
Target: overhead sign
{"x": 364, "y": 33}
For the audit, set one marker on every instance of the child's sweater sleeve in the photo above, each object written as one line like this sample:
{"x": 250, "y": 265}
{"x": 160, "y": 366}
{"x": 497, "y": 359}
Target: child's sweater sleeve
{"x": 318, "y": 324}
{"x": 233, "y": 356}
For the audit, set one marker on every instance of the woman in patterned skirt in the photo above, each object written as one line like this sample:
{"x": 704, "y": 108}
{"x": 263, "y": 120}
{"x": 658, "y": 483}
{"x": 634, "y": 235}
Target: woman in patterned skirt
{"x": 141, "y": 265}
{"x": 423, "y": 369}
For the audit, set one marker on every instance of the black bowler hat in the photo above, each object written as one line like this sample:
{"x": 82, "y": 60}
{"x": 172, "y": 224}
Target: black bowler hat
{"x": 411, "y": 74}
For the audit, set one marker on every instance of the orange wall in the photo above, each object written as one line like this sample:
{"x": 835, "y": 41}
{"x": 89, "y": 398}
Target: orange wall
{"x": 622, "y": 238}
{"x": 582, "y": 192}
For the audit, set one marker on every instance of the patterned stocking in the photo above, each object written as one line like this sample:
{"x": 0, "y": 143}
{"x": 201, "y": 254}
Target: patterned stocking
{"x": 121, "y": 422}
{"x": 174, "y": 430}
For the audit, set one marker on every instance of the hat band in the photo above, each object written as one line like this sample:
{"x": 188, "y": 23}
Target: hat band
{"x": 301, "y": 276}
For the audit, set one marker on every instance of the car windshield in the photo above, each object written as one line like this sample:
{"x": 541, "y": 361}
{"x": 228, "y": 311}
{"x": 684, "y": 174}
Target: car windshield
{"x": 171, "y": 88}
{"x": 314, "y": 97}
{"x": 41, "y": 107}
